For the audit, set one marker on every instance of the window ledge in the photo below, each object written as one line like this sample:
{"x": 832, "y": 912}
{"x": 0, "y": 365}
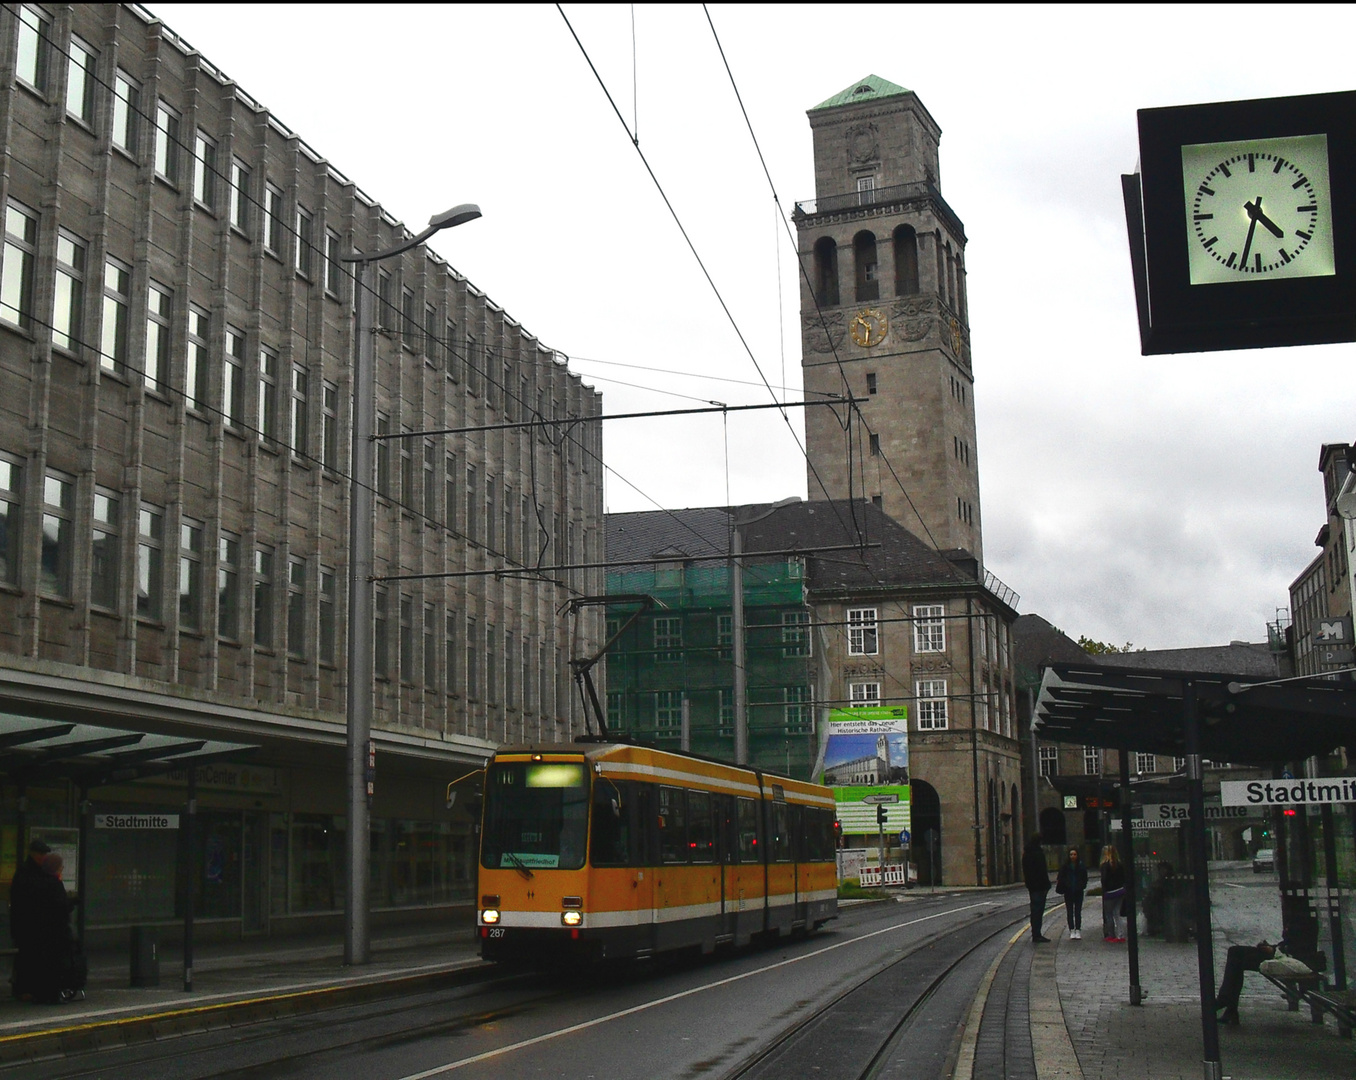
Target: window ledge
{"x": 236, "y": 230}
{"x": 17, "y": 330}
{"x": 67, "y": 354}
{"x": 81, "y": 123}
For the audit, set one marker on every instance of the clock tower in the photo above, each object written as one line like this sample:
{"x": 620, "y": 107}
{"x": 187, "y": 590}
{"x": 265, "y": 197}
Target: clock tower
{"x": 883, "y": 318}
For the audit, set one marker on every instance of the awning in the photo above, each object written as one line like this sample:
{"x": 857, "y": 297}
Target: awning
{"x": 34, "y": 749}
{"x": 1243, "y": 719}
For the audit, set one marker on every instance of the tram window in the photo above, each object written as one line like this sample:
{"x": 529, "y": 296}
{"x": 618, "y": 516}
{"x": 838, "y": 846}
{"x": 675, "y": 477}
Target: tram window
{"x": 781, "y": 834}
{"x": 818, "y": 835}
{"x": 799, "y": 845}
{"x": 672, "y": 825}
{"x": 612, "y": 835}
{"x": 701, "y": 827}
{"x": 748, "y": 830}
{"x": 725, "y": 829}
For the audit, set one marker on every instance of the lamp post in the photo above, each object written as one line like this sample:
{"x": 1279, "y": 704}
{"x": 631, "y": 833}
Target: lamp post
{"x": 360, "y": 658}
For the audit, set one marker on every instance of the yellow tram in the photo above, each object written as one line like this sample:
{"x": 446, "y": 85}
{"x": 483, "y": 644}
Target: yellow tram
{"x": 603, "y": 850}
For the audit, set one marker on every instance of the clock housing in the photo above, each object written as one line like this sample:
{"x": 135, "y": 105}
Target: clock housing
{"x": 1242, "y": 224}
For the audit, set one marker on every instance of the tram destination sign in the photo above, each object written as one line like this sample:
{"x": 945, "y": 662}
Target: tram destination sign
{"x": 136, "y": 821}
{"x": 1302, "y": 792}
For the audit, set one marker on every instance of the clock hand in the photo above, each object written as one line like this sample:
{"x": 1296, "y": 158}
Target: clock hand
{"x": 1247, "y": 244}
{"x": 1255, "y": 212}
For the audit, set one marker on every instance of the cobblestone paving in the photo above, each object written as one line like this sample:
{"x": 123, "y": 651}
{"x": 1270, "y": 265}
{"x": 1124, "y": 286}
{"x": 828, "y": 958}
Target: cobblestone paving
{"x": 1161, "y": 1040}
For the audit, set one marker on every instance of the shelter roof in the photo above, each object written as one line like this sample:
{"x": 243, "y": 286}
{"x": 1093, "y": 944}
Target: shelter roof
{"x": 1243, "y": 719}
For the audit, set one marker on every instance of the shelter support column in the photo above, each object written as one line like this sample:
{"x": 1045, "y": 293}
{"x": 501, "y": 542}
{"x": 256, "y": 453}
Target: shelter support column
{"x": 1132, "y": 918}
{"x": 1205, "y": 956}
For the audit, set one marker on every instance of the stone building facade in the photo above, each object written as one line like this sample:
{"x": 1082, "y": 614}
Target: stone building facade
{"x": 176, "y": 337}
{"x": 884, "y": 319}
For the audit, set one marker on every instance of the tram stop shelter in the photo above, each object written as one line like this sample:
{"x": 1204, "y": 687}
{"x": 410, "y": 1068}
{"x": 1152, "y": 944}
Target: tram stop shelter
{"x": 89, "y": 756}
{"x": 1242, "y": 719}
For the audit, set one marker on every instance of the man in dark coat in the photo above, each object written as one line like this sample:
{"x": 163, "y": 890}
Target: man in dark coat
{"x": 1037, "y": 877}
{"x": 51, "y": 946}
{"x": 24, "y": 888}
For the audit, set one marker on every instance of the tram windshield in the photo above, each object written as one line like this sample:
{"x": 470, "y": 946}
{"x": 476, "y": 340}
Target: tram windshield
{"x": 536, "y": 816}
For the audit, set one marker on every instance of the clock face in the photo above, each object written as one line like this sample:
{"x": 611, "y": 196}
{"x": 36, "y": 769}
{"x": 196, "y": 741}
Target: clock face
{"x": 869, "y": 327}
{"x": 1258, "y": 209}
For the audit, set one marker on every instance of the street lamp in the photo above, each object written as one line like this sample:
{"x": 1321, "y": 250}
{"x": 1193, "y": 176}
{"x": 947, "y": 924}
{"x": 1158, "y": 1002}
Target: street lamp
{"x": 361, "y": 510}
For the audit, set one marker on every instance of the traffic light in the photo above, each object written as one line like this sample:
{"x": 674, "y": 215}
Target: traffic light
{"x": 837, "y": 833}
{"x": 881, "y": 815}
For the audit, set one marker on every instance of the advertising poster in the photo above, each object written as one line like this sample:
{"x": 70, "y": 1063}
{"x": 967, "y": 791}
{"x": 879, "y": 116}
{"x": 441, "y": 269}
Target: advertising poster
{"x": 866, "y": 762}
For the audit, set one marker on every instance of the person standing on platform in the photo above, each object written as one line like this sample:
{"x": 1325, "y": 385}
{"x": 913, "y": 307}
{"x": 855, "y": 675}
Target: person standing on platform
{"x": 1113, "y": 894}
{"x": 1072, "y": 883}
{"x": 23, "y": 888}
{"x": 1037, "y": 877}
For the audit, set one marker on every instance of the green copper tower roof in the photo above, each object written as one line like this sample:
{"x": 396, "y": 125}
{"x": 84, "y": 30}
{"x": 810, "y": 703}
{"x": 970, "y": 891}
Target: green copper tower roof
{"x": 872, "y": 88}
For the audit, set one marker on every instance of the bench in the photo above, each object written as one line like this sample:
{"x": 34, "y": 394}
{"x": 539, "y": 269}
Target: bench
{"x": 1314, "y": 991}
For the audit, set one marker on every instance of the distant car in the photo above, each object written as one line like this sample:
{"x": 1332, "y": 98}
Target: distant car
{"x": 1265, "y": 859}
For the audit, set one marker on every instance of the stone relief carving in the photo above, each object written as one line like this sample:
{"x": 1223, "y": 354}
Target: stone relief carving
{"x": 911, "y": 309}
{"x": 824, "y": 335}
{"x": 863, "y": 144}
{"x": 939, "y": 663}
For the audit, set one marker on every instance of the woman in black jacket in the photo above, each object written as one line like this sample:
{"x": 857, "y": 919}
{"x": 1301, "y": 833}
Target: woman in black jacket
{"x": 1072, "y": 883}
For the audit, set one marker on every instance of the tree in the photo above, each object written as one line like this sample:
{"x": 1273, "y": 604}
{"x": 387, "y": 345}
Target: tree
{"x": 1102, "y": 648}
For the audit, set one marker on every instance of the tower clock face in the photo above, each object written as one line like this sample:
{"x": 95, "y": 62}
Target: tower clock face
{"x": 869, "y": 327}
{"x": 1258, "y": 209}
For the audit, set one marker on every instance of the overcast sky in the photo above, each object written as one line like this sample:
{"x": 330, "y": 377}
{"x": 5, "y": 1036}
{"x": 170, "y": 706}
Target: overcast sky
{"x": 1163, "y": 501}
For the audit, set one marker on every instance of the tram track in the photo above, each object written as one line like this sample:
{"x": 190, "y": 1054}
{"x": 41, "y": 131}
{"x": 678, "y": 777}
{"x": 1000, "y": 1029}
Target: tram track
{"x": 842, "y": 1040}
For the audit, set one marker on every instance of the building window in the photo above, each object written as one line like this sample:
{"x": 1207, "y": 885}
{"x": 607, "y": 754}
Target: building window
{"x": 34, "y": 34}
{"x": 296, "y": 606}
{"x": 1145, "y": 763}
{"x": 334, "y": 269}
{"x": 190, "y": 575}
{"x": 10, "y": 505}
{"x": 327, "y": 636}
{"x": 510, "y": 672}
{"x": 80, "y": 81}
{"x": 1178, "y": 764}
{"x": 381, "y": 638}
{"x": 273, "y": 218}
{"x": 407, "y": 639}
{"x": 797, "y": 710}
{"x": 668, "y": 710}
{"x": 409, "y": 325}
{"x": 472, "y": 669}
{"x": 863, "y": 694}
{"x": 329, "y": 425}
{"x": 875, "y": 444}
{"x": 196, "y": 358}
{"x": 430, "y": 478}
{"x": 406, "y": 469}
{"x": 1092, "y": 761}
{"x": 58, "y": 499}
{"x": 616, "y": 710}
{"x": 385, "y": 307}
{"x": 450, "y": 627}
{"x": 1049, "y": 760}
{"x": 159, "y": 306}
{"x": 302, "y": 257}
{"x": 268, "y": 395}
{"x": 862, "y": 632}
{"x": 725, "y": 636}
{"x": 233, "y": 380}
{"x": 430, "y": 333}
{"x": 471, "y": 518}
{"x": 826, "y": 271}
{"x": 300, "y": 382}
{"x": 263, "y": 597}
{"x": 450, "y": 359}
{"x": 150, "y": 561}
{"x": 864, "y": 257}
{"x": 929, "y": 628}
{"x": 491, "y": 664}
{"x": 126, "y": 95}
{"x": 240, "y": 195}
{"x": 668, "y": 639}
{"x": 725, "y": 714}
{"x": 228, "y": 587}
{"x": 16, "y": 272}
{"x": 450, "y": 492}
{"x": 931, "y": 697}
{"x": 906, "y": 261}
{"x": 117, "y": 307}
{"x": 383, "y": 456}
{"x": 430, "y": 646}
{"x": 103, "y": 556}
{"x": 68, "y": 309}
{"x": 167, "y": 143}
{"x": 796, "y": 633}
{"x": 205, "y": 171}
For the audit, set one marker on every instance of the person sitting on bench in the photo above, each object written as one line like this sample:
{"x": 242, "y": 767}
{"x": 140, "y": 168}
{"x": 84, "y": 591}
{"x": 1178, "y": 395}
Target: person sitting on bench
{"x": 1299, "y": 941}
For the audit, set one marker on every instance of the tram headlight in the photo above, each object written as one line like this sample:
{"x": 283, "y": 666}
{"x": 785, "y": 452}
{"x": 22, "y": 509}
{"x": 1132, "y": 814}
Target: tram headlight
{"x": 571, "y": 918}
{"x": 489, "y": 916}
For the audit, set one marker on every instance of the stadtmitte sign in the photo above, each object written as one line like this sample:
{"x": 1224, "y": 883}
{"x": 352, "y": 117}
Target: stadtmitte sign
{"x": 1304, "y": 792}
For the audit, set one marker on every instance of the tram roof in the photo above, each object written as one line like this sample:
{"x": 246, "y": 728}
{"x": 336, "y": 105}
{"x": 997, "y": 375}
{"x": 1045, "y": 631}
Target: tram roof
{"x": 1244, "y": 719}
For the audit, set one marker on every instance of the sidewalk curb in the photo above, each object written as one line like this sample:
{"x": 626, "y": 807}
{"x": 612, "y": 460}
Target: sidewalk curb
{"x": 1051, "y": 1045}
{"x": 171, "y": 1021}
